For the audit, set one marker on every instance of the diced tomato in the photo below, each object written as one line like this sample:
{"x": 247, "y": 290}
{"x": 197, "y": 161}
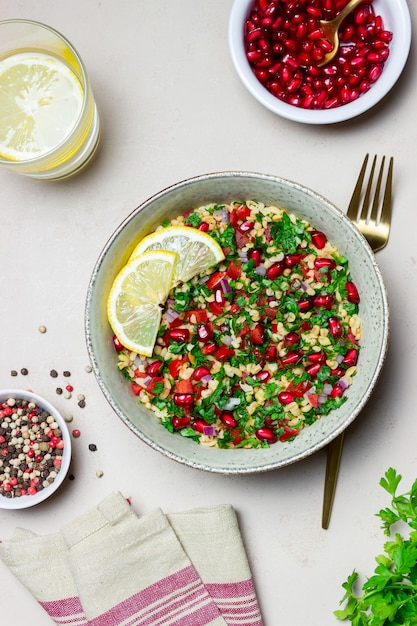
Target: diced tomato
{"x": 288, "y": 433}
{"x": 198, "y": 316}
{"x": 242, "y": 212}
{"x": 256, "y": 335}
{"x": 184, "y": 386}
{"x": 215, "y": 279}
{"x": 136, "y": 388}
{"x": 234, "y": 270}
{"x": 241, "y": 239}
{"x": 234, "y": 309}
{"x": 138, "y": 374}
{"x": 299, "y": 389}
{"x": 175, "y": 366}
{"x": 175, "y": 323}
{"x": 154, "y": 384}
{"x": 216, "y": 308}
{"x": 224, "y": 353}
{"x": 313, "y": 398}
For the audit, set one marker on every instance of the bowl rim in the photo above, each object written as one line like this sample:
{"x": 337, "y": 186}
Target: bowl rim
{"x": 393, "y": 69}
{"x": 192, "y": 460}
{"x": 27, "y": 501}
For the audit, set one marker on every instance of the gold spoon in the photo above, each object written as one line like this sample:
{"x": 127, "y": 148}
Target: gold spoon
{"x": 330, "y": 30}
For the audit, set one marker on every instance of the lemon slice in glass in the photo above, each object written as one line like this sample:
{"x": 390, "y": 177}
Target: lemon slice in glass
{"x": 197, "y": 251}
{"x": 40, "y": 103}
{"x": 134, "y": 302}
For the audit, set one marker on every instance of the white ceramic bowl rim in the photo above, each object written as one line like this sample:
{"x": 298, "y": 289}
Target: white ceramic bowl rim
{"x": 24, "y": 502}
{"x": 396, "y": 16}
{"x": 198, "y": 191}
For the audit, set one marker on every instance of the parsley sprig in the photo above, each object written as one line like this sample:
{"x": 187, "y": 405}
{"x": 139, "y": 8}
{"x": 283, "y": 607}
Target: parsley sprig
{"x": 389, "y": 596}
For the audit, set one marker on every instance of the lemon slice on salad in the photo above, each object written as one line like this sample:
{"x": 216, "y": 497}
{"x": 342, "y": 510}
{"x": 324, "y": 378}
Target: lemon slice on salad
{"x": 197, "y": 251}
{"x": 134, "y": 302}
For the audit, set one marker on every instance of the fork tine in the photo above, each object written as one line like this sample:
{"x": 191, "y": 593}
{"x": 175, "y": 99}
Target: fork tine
{"x": 354, "y": 203}
{"x": 386, "y": 203}
{"x": 374, "y": 211}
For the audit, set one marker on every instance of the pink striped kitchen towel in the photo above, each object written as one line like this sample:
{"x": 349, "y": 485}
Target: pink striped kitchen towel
{"x": 183, "y": 569}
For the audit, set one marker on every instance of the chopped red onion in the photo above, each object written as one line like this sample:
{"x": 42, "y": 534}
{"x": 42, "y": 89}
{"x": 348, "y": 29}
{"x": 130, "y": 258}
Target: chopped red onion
{"x": 203, "y": 279}
{"x": 327, "y": 389}
{"x": 171, "y": 315}
{"x": 227, "y": 340}
{"x": 222, "y": 215}
{"x": 343, "y": 382}
{"x": 225, "y": 286}
{"x": 243, "y": 256}
{"x": 208, "y": 431}
{"x": 260, "y": 270}
{"x": 206, "y": 379}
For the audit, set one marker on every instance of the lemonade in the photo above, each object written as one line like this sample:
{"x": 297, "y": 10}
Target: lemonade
{"x": 49, "y": 125}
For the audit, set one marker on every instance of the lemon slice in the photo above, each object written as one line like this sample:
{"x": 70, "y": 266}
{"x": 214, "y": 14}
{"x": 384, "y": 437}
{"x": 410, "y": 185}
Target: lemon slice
{"x": 197, "y": 251}
{"x": 134, "y": 302}
{"x": 40, "y": 103}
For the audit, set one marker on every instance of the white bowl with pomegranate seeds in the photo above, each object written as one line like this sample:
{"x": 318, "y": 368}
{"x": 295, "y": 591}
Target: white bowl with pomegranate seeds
{"x": 275, "y": 53}
{"x": 222, "y": 188}
{"x": 35, "y": 449}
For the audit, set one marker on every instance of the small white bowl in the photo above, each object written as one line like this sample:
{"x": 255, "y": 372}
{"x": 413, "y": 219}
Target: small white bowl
{"x": 26, "y": 501}
{"x": 396, "y": 16}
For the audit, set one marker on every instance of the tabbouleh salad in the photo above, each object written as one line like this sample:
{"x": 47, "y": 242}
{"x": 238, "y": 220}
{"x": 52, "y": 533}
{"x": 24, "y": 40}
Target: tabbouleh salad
{"x": 260, "y": 346}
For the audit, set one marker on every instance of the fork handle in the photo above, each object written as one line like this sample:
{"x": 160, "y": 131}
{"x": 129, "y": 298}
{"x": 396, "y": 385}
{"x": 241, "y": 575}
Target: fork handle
{"x": 334, "y": 454}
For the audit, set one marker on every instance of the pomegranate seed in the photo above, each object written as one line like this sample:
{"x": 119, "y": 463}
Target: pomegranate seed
{"x": 275, "y": 270}
{"x": 266, "y": 434}
{"x": 256, "y": 255}
{"x": 200, "y": 426}
{"x": 200, "y": 372}
{"x": 204, "y": 333}
{"x": 183, "y": 399}
{"x": 228, "y": 419}
{"x": 154, "y": 368}
{"x": 179, "y": 334}
{"x": 351, "y": 357}
{"x": 313, "y": 369}
{"x": 287, "y": 37}
{"x": 335, "y": 327}
{"x": 337, "y": 390}
{"x": 291, "y": 339}
{"x": 319, "y": 239}
{"x": 270, "y": 354}
{"x": 291, "y": 357}
{"x": 180, "y": 422}
{"x": 325, "y": 301}
{"x": 317, "y": 357}
{"x": 263, "y": 376}
{"x": 285, "y": 397}
{"x": 204, "y": 227}
{"x": 117, "y": 344}
{"x": 352, "y": 292}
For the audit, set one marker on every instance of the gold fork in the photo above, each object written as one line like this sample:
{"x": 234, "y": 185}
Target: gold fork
{"x": 374, "y": 222}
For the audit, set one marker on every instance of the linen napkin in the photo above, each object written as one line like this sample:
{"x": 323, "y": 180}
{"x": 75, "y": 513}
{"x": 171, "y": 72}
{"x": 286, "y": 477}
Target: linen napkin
{"x": 113, "y": 568}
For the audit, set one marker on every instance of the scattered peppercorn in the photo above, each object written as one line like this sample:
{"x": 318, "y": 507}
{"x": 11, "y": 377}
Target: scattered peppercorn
{"x": 69, "y": 388}
{"x": 99, "y": 473}
{"x": 53, "y": 373}
{"x": 42, "y": 329}
{"x": 88, "y": 369}
{"x": 71, "y": 477}
{"x": 24, "y": 371}
{"x": 92, "y": 447}
{"x": 66, "y": 373}
{"x": 81, "y": 404}
{"x": 59, "y": 390}
{"x": 76, "y": 433}
{"x": 13, "y": 373}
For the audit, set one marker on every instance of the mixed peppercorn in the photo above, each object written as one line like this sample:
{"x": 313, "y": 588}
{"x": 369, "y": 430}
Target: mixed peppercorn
{"x": 31, "y": 448}
{"x": 249, "y": 354}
